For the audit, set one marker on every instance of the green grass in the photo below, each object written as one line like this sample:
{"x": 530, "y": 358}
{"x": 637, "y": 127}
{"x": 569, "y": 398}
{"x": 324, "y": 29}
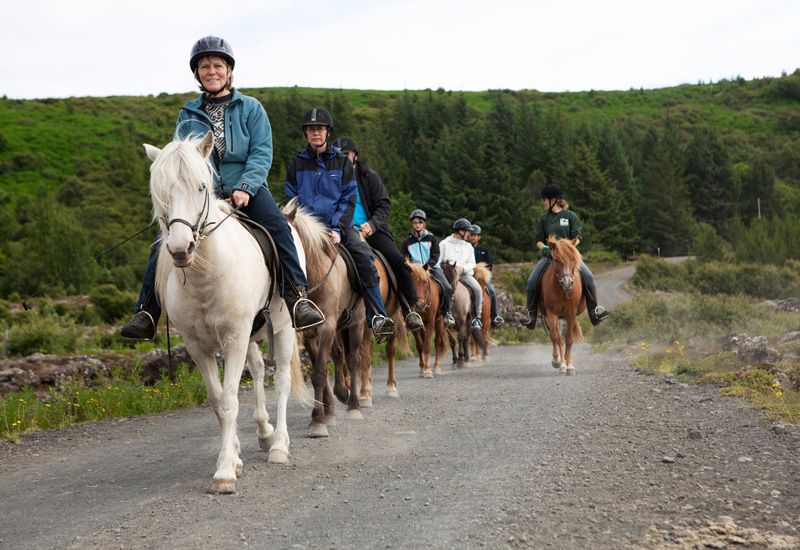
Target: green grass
{"x": 121, "y": 395}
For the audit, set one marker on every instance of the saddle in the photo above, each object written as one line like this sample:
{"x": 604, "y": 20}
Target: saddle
{"x": 393, "y": 289}
{"x": 355, "y": 283}
{"x": 270, "y": 252}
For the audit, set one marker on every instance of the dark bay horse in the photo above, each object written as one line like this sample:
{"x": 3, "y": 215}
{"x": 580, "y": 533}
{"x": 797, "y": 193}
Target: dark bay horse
{"x": 562, "y": 299}
{"x": 431, "y": 294}
{"x": 330, "y": 289}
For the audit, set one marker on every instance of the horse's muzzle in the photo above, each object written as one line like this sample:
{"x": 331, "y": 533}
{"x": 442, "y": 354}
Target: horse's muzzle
{"x": 183, "y": 258}
{"x": 566, "y": 283}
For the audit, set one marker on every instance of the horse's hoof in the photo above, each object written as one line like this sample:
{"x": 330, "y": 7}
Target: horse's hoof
{"x": 392, "y": 392}
{"x": 263, "y": 442}
{"x": 427, "y": 374}
{"x": 354, "y": 414}
{"x": 278, "y": 456}
{"x": 225, "y": 486}
{"x": 555, "y": 364}
{"x": 437, "y": 371}
{"x": 562, "y": 369}
{"x": 318, "y": 430}
{"x": 365, "y": 402}
{"x": 570, "y": 370}
{"x": 239, "y": 468}
{"x": 330, "y": 420}
{"x": 460, "y": 365}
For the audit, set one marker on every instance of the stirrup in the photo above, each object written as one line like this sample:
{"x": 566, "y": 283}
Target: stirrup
{"x": 134, "y": 330}
{"x": 414, "y": 321}
{"x": 313, "y": 306}
{"x": 449, "y": 320}
{"x": 497, "y": 321}
{"x": 382, "y": 327}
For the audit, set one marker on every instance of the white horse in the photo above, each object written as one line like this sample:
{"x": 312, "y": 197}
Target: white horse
{"x": 212, "y": 289}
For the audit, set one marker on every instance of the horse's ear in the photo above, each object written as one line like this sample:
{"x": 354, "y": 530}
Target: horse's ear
{"x": 151, "y": 151}
{"x": 207, "y": 145}
{"x": 551, "y": 241}
{"x": 290, "y": 210}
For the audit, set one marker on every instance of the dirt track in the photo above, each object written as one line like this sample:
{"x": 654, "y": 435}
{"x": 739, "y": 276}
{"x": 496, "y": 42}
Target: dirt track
{"x": 506, "y": 453}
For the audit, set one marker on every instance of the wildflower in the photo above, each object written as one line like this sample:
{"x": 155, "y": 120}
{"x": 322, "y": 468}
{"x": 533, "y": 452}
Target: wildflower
{"x": 47, "y": 405}
{"x": 76, "y": 405}
{"x": 668, "y": 351}
{"x": 778, "y": 393}
{"x": 21, "y": 400}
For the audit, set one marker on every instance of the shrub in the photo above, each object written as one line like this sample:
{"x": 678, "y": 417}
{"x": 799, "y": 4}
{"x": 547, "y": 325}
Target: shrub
{"x": 31, "y": 332}
{"x": 111, "y": 303}
{"x": 657, "y": 274}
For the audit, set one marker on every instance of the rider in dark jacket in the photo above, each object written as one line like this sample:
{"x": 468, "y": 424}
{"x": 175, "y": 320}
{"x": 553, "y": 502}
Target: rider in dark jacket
{"x": 323, "y": 180}
{"x": 371, "y": 219}
{"x": 561, "y": 222}
{"x": 482, "y": 255}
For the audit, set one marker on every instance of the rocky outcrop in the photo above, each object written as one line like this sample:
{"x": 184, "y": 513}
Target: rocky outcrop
{"x": 753, "y": 349}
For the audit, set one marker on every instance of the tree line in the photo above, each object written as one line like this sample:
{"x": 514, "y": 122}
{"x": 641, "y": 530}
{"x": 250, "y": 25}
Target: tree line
{"x": 709, "y": 168}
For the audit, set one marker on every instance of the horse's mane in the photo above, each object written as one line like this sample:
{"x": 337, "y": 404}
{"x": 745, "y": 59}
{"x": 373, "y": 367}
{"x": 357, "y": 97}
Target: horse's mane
{"x": 313, "y": 234}
{"x": 482, "y": 274}
{"x": 179, "y": 163}
{"x": 418, "y": 271}
{"x": 450, "y": 273}
{"x": 565, "y": 252}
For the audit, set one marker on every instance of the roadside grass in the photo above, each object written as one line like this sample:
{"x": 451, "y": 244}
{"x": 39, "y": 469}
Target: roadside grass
{"x": 118, "y": 396}
{"x": 683, "y": 335}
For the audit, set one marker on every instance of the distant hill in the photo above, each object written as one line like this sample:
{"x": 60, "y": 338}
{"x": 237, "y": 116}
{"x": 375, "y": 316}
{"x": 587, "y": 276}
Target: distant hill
{"x": 640, "y": 167}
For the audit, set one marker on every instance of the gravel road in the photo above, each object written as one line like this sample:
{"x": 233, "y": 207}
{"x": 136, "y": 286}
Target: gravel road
{"x": 504, "y": 453}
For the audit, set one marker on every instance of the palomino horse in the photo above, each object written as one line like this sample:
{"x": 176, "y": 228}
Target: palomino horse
{"x": 398, "y": 339}
{"x": 331, "y": 291}
{"x": 212, "y": 282}
{"x": 483, "y": 276}
{"x": 462, "y": 312}
{"x": 431, "y": 293}
{"x": 562, "y": 300}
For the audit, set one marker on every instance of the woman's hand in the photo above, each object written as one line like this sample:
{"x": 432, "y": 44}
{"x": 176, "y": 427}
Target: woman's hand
{"x": 335, "y": 237}
{"x": 240, "y": 198}
{"x": 366, "y": 229}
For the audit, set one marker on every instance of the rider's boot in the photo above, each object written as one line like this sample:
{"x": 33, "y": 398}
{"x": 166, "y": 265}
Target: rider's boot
{"x": 596, "y": 313}
{"x": 381, "y": 324}
{"x": 304, "y": 313}
{"x": 449, "y": 320}
{"x": 476, "y": 323}
{"x": 142, "y": 326}
{"x": 413, "y": 321}
{"x": 497, "y": 321}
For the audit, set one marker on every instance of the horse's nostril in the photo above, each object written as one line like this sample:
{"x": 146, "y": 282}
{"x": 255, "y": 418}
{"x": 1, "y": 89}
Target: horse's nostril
{"x": 192, "y": 246}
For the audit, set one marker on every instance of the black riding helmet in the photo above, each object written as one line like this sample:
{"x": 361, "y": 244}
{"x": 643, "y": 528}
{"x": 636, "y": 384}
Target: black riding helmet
{"x": 211, "y": 45}
{"x": 475, "y": 229}
{"x": 462, "y": 223}
{"x": 317, "y": 117}
{"x": 346, "y": 144}
{"x": 418, "y": 214}
{"x": 552, "y": 191}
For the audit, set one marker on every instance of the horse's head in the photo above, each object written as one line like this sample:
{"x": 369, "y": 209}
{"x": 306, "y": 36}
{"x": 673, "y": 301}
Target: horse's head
{"x": 566, "y": 262}
{"x": 450, "y": 272}
{"x": 181, "y": 186}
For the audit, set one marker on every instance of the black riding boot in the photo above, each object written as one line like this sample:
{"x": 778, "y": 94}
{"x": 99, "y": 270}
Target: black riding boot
{"x": 533, "y": 309}
{"x": 596, "y": 313}
{"x": 142, "y": 326}
{"x": 304, "y": 313}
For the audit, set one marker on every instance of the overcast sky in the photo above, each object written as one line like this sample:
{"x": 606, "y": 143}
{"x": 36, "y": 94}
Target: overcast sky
{"x": 61, "y": 48}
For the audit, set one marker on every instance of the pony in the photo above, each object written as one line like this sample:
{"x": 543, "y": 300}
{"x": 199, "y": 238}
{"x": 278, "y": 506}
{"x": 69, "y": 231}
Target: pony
{"x": 483, "y": 276}
{"x": 431, "y": 294}
{"x": 562, "y": 299}
{"x": 331, "y": 290}
{"x": 212, "y": 282}
{"x": 462, "y": 312}
{"x": 398, "y": 339}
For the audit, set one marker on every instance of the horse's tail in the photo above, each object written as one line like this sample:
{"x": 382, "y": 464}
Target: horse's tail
{"x": 577, "y": 332}
{"x": 401, "y": 333}
{"x": 299, "y": 389}
{"x": 441, "y": 341}
{"x": 482, "y": 274}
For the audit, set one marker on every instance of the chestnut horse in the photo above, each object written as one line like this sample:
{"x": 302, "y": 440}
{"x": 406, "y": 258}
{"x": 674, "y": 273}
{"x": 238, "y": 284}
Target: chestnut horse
{"x": 483, "y": 276}
{"x": 399, "y": 338}
{"x": 562, "y": 299}
{"x": 431, "y": 294}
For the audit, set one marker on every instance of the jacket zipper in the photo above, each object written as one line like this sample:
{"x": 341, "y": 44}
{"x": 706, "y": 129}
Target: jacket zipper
{"x": 230, "y": 130}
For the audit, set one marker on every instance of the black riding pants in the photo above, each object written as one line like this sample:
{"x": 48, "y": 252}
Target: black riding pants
{"x": 381, "y": 242}
{"x": 362, "y": 256}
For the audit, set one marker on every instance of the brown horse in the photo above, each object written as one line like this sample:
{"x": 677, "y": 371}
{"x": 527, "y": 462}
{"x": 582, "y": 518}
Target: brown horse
{"x": 330, "y": 289}
{"x": 483, "y": 276}
{"x": 562, "y": 299}
{"x": 400, "y": 338}
{"x": 462, "y": 312}
{"x": 431, "y": 294}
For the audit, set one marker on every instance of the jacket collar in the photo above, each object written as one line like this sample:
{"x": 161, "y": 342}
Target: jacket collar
{"x": 330, "y": 152}
{"x": 196, "y": 104}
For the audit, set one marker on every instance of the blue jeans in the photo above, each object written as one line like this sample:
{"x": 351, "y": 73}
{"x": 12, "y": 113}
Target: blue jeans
{"x": 492, "y": 297}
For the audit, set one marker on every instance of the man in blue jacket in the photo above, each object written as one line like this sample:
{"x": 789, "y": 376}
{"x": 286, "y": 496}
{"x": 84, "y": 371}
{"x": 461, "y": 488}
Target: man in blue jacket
{"x": 322, "y": 179}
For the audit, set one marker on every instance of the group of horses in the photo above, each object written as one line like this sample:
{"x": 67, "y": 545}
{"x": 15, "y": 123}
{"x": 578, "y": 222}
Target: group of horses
{"x": 212, "y": 287}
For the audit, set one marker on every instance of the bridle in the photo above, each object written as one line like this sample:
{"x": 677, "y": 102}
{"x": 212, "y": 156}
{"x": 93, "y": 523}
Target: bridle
{"x": 199, "y": 227}
{"x": 565, "y": 278}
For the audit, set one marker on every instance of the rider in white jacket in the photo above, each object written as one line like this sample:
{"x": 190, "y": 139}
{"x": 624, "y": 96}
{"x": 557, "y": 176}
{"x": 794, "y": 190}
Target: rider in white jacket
{"x": 457, "y": 249}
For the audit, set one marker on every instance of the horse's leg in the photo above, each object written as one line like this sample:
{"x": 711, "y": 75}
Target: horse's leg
{"x": 278, "y": 441}
{"x": 339, "y": 354}
{"x": 561, "y": 348}
{"x": 453, "y": 346}
{"x": 439, "y": 344}
{"x": 569, "y": 338}
{"x": 229, "y": 464}
{"x": 365, "y": 367}
{"x": 255, "y": 364}
{"x": 355, "y": 339}
{"x": 391, "y": 360}
{"x": 552, "y": 324}
{"x": 319, "y": 378}
{"x": 423, "y": 340}
{"x": 207, "y": 365}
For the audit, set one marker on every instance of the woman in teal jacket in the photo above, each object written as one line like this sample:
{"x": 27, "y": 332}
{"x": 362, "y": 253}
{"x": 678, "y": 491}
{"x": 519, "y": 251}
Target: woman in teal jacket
{"x": 242, "y": 155}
